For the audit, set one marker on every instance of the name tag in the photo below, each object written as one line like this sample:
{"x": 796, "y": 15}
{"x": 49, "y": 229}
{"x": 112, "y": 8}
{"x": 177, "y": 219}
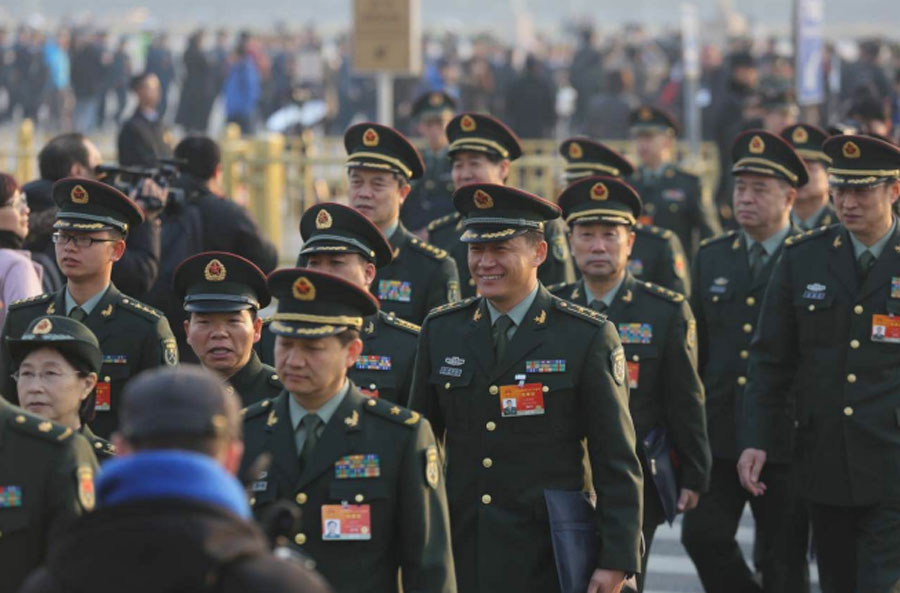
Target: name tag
{"x": 634, "y": 371}
{"x": 521, "y": 400}
{"x": 346, "y": 522}
{"x": 450, "y": 372}
{"x": 886, "y": 329}
{"x": 395, "y": 290}
{"x": 103, "y": 400}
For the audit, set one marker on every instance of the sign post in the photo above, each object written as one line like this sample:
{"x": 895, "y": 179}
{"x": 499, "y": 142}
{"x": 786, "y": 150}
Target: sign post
{"x": 809, "y": 17}
{"x": 690, "y": 58}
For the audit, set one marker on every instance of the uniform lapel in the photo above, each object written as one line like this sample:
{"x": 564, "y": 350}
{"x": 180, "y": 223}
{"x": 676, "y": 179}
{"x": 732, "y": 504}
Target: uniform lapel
{"x": 478, "y": 337}
{"x": 887, "y": 264}
{"x": 623, "y": 300}
{"x": 528, "y": 335}
{"x": 280, "y": 442}
{"x": 336, "y": 440}
{"x": 766, "y": 273}
{"x": 741, "y": 263}
{"x": 841, "y": 262}
{"x": 577, "y": 294}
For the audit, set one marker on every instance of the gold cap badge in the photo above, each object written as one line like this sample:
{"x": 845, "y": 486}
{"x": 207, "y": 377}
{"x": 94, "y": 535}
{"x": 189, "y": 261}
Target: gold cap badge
{"x": 214, "y": 271}
{"x": 482, "y": 199}
{"x": 43, "y": 327}
{"x": 324, "y": 220}
{"x": 303, "y": 289}
{"x": 757, "y": 146}
{"x": 599, "y": 192}
{"x": 79, "y": 195}
{"x": 646, "y": 114}
{"x": 370, "y": 138}
{"x": 851, "y": 150}
{"x": 799, "y": 135}
{"x": 435, "y": 99}
{"x": 467, "y": 123}
{"x": 575, "y": 151}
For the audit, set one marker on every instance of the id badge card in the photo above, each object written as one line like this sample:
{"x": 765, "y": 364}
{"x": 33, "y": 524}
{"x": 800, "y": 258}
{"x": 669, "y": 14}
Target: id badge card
{"x": 634, "y": 371}
{"x": 103, "y": 401}
{"x": 521, "y": 400}
{"x": 886, "y": 329}
{"x": 346, "y": 522}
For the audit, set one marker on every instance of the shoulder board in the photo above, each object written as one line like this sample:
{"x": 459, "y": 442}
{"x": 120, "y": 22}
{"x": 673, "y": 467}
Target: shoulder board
{"x": 653, "y": 231}
{"x": 257, "y": 409}
{"x": 39, "y": 427}
{"x": 663, "y": 293}
{"x": 579, "y": 311}
{"x": 102, "y": 445}
{"x": 41, "y": 298}
{"x": 718, "y": 238}
{"x": 801, "y": 237}
{"x": 139, "y": 307}
{"x": 442, "y": 222}
{"x": 391, "y": 411}
{"x": 394, "y": 321}
{"x": 559, "y": 287}
{"x": 427, "y": 249}
{"x": 454, "y": 306}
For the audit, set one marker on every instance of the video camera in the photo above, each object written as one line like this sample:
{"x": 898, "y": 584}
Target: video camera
{"x": 129, "y": 180}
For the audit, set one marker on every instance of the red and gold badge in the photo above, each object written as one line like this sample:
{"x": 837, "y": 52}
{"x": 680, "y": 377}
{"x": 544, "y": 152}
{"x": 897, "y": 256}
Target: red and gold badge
{"x": 482, "y": 199}
{"x": 467, "y": 123}
{"x": 599, "y": 192}
{"x": 79, "y": 195}
{"x": 851, "y": 150}
{"x": 214, "y": 271}
{"x": 370, "y": 138}
{"x": 575, "y": 151}
{"x": 799, "y": 135}
{"x": 85, "y": 478}
{"x": 43, "y": 327}
{"x": 303, "y": 289}
{"x": 324, "y": 220}
{"x": 757, "y": 146}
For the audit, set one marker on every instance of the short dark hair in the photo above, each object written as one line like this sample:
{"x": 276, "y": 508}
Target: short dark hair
{"x": 8, "y": 188}
{"x": 200, "y": 156}
{"x": 138, "y": 79}
{"x": 347, "y": 336}
{"x": 533, "y": 237}
{"x": 57, "y": 157}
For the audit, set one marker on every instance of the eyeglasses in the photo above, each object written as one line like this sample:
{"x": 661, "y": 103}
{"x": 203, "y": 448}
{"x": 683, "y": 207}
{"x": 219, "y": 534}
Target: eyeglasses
{"x": 79, "y": 240}
{"x": 20, "y": 203}
{"x": 46, "y": 377}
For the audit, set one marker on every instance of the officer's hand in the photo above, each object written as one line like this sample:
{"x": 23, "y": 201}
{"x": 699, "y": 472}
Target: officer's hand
{"x": 749, "y": 467}
{"x": 606, "y": 581}
{"x": 688, "y": 500}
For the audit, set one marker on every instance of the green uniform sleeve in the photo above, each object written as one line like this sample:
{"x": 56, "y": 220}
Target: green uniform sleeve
{"x": 422, "y": 396}
{"x": 70, "y": 488}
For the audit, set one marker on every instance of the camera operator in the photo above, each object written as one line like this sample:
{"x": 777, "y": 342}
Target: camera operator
{"x": 74, "y": 155}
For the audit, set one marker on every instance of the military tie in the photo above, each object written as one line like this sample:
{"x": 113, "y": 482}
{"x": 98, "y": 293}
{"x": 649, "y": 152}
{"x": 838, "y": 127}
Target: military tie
{"x": 311, "y": 422}
{"x": 599, "y": 306}
{"x": 500, "y": 333}
{"x": 757, "y": 252}
{"x": 78, "y": 314}
{"x": 866, "y": 261}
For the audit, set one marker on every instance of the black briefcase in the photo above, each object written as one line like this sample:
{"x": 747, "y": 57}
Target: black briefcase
{"x": 573, "y": 531}
{"x": 663, "y": 464}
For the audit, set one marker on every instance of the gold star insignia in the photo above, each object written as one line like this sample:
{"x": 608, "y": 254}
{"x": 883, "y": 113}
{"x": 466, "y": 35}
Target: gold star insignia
{"x": 395, "y": 410}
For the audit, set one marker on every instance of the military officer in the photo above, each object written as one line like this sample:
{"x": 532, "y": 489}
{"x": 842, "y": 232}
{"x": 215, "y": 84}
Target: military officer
{"x": 46, "y": 481}
{"x": 481, "y": 150}
{"x": 222, "y": 294}
{"x": 430, "y": 196}
{"x": 368, "y": 480}
{"x": 565, "y": 368}
{"x": 92, "y": 223}
{"x": 57, "y": 361}
{"x": 673, "y": 198}
{"x": 829, "y": 334}
{"x": 658, "y": 331}
{"x": 657, "y": 255}
{"x": 380, "y": 164}
{"x": 812, "y": 208}
{"x": 339, "y": 240}
{"x": 730, "y": 275}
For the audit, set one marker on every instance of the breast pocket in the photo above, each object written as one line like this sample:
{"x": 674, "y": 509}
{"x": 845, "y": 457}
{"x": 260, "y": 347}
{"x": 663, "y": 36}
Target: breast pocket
{"x": 358, "y": 491}
{"x": 454, "y": 389}
{"x": 642, "y": 364}
{"x": 380, "y": 384}
{"x": 815, "y": 318}
{"x": 716, "y": 299}
{"x": 13, "y": 521}
{"x": 560, "y": 407}
{"x": 111, "y": 381}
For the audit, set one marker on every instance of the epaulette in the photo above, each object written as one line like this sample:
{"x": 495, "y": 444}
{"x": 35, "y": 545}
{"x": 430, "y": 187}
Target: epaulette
{"x": 391, "y": 411}
{"x": 654, "y": 231}
{"x": 139, "y": 307}
{"x": 256, "y": 409}
{"x": 102, "y": 445}
{"x": 709, "y": 240}
{"x": 558, "y": 287}
{"x": 579, "y": 311}
{"x": 40, "y": 427}
{"x": 442, "y": 222}
{"x": 663, "y": 293}
{"x": 41, "y": 298}
{"x": 428, "y": 249}
{"x": 394, "y": 321}
{"x": 454, "y": 306}
{"x": 801, "y": 237}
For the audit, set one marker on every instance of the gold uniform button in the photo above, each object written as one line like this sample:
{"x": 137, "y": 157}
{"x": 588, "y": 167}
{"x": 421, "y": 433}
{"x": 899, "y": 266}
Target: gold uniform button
{"x": 486, "y": 499}
{"x": 812, "y": 307}
{"x": 854, "y": 344}
{"x": 446, "y": 385}
{"x": 751, "y": 301}
{"x": 359, "y": 498}
{"x": 372, "y": 387}
{"x": 300, "y": 539}
{"x": 487, "y": 462}
{"x": 545, "y": 388}
{"x": 98, "y": 445}
{"x": 742, "y": 381}
{"x": 848, "y": 411}
{"x": 851, "y": 378}
{"x": 745, "y": 355}
{"x": 20, "y": 419}
{"x": 371, "y": 403}
{"x": 493, "y": 390}
{"x": 252, "y": 502}
{"x": 301, "y": 498}
{"x": 748, "y": 328}
{"x": 858, "y": 309}
{"x": 491, "y": 426}
{"x": 107, "y": 379}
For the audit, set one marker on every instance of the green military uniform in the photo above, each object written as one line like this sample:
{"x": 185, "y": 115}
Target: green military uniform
{"x": 657, "y": 255}
{"x": 565, "y": 368}
{"x": 133, "y": 337}
{"x": 46, "y": 481}
{"x": 828, "y": 337}
{"x": 673, "y": 198}
{"x": 430, "y": 196}
{"x": 728, "y": 289}
{"x": 479, "y": 133}
{"x": 375, "y": 466}
{"x": 221, "y": 282}
{"x": 103, "y": 449}
{"x": 807, "y": 140}
{"x": 659, "y": 334}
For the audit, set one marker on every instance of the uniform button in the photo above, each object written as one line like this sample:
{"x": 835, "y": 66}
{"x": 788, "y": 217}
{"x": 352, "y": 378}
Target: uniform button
{"x": 854, "y": 344}
{"x": 20, "y": 419}
{"x": 812, "y": 307}
{"x": 107, "y": 379}
{"x": 301, "y": 498}
{"x": 848, "y": 411}
{"x": 742, "y": 381}
{"x": 858, "y": 309}
{"x": 748, "y": 328}
{"x": 751, "y": 301}
{"x": 446, "y": 385}
{"x": 715, "y": 298}
{"x": 371, "y": 403}
{"x": 487, "y": 462}
{"x": 486, "y": 499}
{"x": 493, "y": 390}
{"x": 359, "y": 498}
{"x": 745, "y": 355}
{"x": 252, "y": 502}
{"x": 545, "y": 388}
{"x": 372, "y": 387}
{"x": 851, "y": 378}
{"x": 491, "y": 426}
{"x": 300, "y": 539}
{"x": 98, "y": 445}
